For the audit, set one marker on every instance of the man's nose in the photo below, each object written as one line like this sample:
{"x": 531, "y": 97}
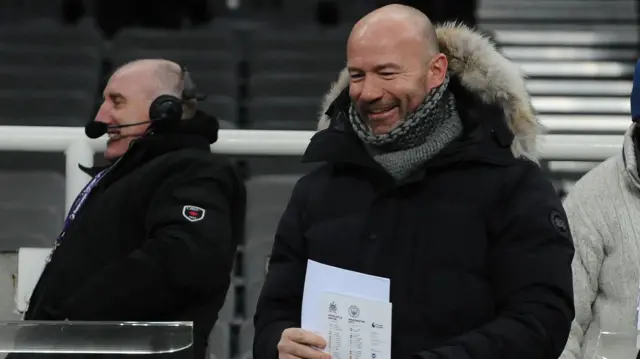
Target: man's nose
{"x": 103, "y": 115}
{"x": 370, "y": 91}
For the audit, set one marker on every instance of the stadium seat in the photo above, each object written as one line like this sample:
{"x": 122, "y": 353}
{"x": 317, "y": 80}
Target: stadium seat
{"x": 51, "y": 34}
{"x": 28, "y": 225}
{"x": 45, "y": 56}
{"x": 579, "y": 87}
{"x": 34, "y": 187}
{"x": 252, "y": 292}
{"x": 587, "y": 69}
{"x": 219, "y": 341}
{"x": 562, "y": 53}
{"x": 311, "y": 41}
{"x": 17, "y": 11}
{"x": 245, "y": 338}
{"x": 604, "y": 124}
{"x": 191, "y": 40}
{"x": 581, "y": 105}
{"x": 567, "y": 38}
{"x": 49, "y": 73}
{"x": 283, "y": 113}
{"x": 32, "y": 208}
{"x": 217, "y": 83}
{"x": 64, "y": 78}
{"x": 227, "y": 313}
{"x": 256, "y": 259}
{"x": 267, "y": 198}
{"x": 224, "y": 108}
{"x": 46, "y": 108}
{"x": 593, "y": 13}
{"x": 275, "y": 61}
{"x": 291, "y": 84}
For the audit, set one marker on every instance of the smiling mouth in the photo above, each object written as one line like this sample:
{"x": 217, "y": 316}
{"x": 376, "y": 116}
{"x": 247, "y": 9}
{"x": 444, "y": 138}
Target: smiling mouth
{"x": 114, "y": 136}
{"x": 378, "y": 114}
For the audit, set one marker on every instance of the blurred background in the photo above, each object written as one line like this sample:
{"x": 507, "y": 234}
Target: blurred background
{"x": 265, "y": 65}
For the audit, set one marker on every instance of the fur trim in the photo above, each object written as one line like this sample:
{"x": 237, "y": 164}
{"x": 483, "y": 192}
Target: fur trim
{"x": 484, "y": 71}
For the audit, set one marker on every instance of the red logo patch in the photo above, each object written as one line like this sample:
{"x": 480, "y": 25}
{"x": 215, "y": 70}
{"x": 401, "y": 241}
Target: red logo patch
{"x": 193, "y": 213}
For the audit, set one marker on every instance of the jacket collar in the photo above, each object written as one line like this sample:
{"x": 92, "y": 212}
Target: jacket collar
{"x": 198, "y": 132}
{"x": 482, "y": 70}
{"x": 486, "y": 137}
{"x": 630, "y": 154}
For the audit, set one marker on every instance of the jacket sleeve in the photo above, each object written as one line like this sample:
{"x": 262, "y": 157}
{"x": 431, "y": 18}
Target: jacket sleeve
{"x": 279, "y": 305}
{"x": 530, "y": 271}
{"x": 180, "y": 259}
{"x": 586, "y": 265}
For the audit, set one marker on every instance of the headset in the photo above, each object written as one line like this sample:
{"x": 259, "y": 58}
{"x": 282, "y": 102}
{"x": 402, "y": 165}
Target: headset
{"x": 168, "y": 108}
{"x": 164, "y": 110}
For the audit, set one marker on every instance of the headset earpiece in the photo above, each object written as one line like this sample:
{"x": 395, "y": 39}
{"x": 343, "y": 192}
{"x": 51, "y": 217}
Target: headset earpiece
{"x": 168, "y": 108}
{"x": 165, "y": 108}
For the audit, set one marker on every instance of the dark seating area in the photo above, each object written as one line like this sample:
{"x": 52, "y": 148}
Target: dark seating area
{"x": 262, "y": 74}
{"x": 52, "y": 75}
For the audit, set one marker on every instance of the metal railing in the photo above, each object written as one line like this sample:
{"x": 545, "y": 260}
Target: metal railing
{"x": 566, "y": 140}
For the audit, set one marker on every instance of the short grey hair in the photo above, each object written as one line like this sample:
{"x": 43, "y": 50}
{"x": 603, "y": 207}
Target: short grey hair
{"x": 172, "y": 80}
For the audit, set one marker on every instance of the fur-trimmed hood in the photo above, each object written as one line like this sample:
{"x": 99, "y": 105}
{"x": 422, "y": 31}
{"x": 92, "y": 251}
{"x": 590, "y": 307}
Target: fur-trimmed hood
{"x": 482, "y": 70}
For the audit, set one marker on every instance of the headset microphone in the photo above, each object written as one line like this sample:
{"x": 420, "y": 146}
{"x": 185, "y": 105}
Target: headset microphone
{"x": 95, "y": 129}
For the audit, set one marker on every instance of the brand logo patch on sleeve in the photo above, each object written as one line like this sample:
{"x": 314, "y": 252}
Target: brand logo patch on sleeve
{"x": 559, "y": 223}
{"x": 193, "y": 213}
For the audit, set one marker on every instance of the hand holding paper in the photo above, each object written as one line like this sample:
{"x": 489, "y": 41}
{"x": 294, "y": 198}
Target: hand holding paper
{"x": 300, "y": 343}
{"x": 350, "y": 310}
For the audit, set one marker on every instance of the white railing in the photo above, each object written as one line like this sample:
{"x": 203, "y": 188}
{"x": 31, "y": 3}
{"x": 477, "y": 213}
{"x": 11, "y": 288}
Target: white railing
{"x": 566, "y": 141}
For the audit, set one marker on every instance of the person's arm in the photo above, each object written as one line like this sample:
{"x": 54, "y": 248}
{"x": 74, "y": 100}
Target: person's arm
{"x": 530, "y": 270}
{"x": 586, "y": 265}
{"x": 180, "y": 259}
{"x": 280, "y": 302}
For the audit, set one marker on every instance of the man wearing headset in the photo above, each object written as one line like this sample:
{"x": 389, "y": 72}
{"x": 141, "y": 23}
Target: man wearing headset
{"x": 154, "y": 235}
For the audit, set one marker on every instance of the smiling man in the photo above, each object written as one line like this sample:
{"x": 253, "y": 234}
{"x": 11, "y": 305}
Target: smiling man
{"x": 129, "y": 94}
{"x": 429, "y": 179}
{"x": 153, "y": 235}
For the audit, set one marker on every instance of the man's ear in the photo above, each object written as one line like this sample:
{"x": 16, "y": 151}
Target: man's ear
{"x": 438, "y": 69}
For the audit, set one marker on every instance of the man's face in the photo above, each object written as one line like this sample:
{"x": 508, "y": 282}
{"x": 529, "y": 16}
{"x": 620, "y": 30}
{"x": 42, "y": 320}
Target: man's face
{"x": 126, "y": 102}
{"x": 391, "y": 75}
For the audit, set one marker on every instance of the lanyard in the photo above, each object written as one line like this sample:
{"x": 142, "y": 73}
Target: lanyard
{"x": 79, "y": 201}
{"x": 75, "y": 208}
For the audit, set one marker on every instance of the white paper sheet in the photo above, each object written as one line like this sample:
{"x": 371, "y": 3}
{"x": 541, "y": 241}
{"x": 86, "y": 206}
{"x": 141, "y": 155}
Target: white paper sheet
{"x": 321, "y": 278}
{"x": 356, "y": 328}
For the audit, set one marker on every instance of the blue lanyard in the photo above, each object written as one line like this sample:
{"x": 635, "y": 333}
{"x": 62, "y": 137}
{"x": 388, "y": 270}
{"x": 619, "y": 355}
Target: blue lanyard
{"x": 79, "y": 201}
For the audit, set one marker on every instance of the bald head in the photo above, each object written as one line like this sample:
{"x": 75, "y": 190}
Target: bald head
{"x": 155, "y": 76}
{"x": 160, "y": 77}
{"x": 394, "y": 23}
{"x": 394, "y": 63}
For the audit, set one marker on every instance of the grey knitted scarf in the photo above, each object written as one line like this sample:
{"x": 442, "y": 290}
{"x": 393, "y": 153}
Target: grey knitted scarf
{"x": 423, "y": 134}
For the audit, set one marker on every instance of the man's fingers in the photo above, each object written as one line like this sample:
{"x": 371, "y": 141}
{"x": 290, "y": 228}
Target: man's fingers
{"x": 305, "y": 337}
{"x": 304, "y": 351}
{"x": 286, "y": 356}
{"x": 297, "y": 343}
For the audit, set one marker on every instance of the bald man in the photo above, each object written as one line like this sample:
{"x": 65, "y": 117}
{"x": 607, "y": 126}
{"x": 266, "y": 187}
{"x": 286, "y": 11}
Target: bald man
{"x": 430, "y": 179}
{"x": 154, "y": 234}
